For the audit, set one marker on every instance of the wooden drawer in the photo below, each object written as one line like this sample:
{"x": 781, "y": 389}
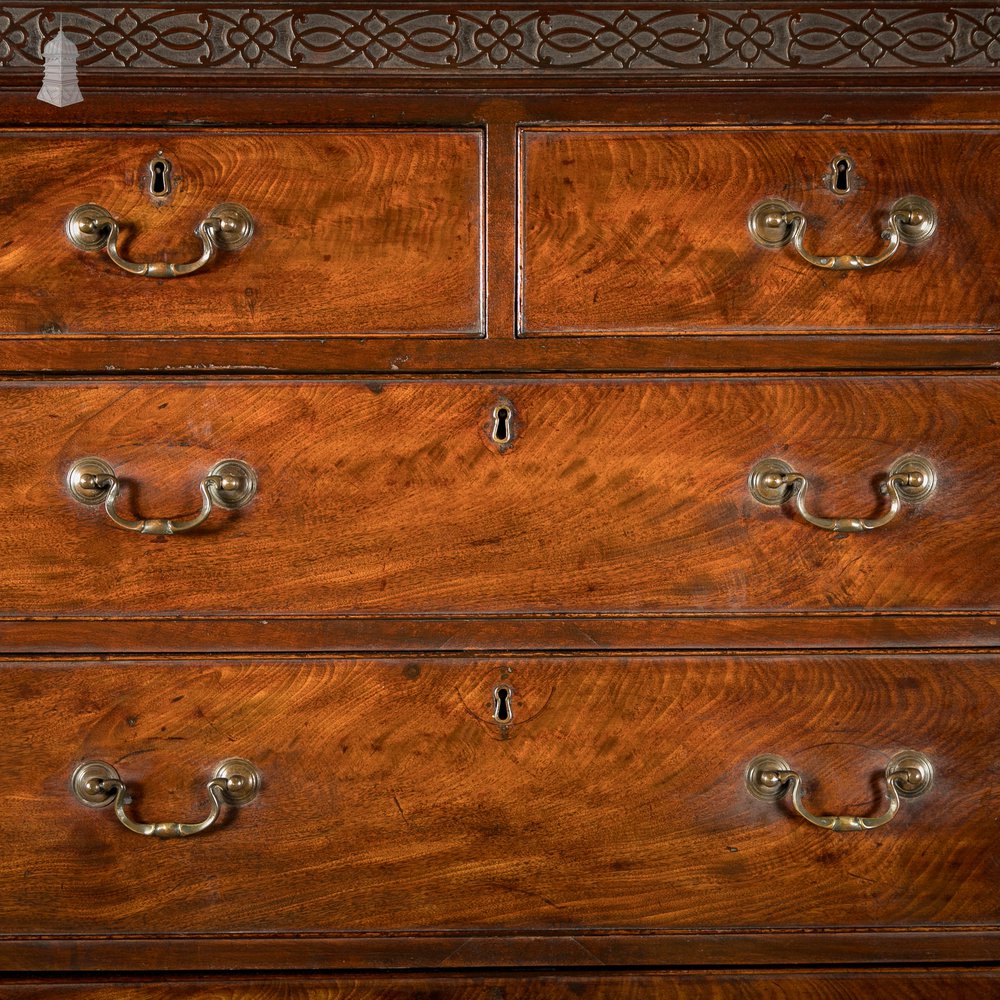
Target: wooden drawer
{"x": 355, "y": 232}
{"x": 644, "y": 231}
{"x": 611, "y": 496}
{"x": 425, "y": 810}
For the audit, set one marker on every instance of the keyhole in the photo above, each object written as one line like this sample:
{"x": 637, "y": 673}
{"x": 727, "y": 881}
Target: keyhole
{"x": 842, "y": 168}
{"x": 503, "y": 712}
{"x": 840, "y": 184}
{"x": 159, "y": 177}
{"x": 501, "y": 424}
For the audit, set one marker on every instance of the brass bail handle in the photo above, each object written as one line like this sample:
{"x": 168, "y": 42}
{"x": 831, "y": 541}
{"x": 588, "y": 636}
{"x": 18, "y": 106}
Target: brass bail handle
{"x": 911, "y": 479}
{"x": 230, "y": 485}
{"x": 775, "y": 223}
{"x": 908, "y": 774}
{"x": 236, "y": 783}
{"x": 227, "y": 227}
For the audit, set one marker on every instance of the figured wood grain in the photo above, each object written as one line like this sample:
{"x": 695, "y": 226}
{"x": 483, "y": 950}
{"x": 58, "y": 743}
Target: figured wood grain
{"x": 432, "y": 314}
{"x": 925, "y": 984}
{"x": 313, "y": 106}
{"x": 385, "y": 498}
{"x": 357, "y": 232}
{"x": 644, "y": 231}
{"x": 392, "y": 802}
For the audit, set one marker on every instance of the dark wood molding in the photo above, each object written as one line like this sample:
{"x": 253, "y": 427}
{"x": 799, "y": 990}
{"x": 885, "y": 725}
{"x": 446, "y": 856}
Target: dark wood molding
{"x": 126, "y": 953}
{"x": 512, "y": 40}
{"x": 192, "y": 355}
{"x": 697, "y": 632}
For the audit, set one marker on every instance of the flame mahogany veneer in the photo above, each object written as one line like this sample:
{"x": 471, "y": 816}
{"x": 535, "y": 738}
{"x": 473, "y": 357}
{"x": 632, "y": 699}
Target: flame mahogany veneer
{"x": 503, "y": 625}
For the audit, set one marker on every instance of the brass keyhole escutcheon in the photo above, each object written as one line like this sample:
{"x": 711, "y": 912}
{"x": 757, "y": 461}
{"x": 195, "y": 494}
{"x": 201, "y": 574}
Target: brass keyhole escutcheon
{"x": 842, "y": 175}
{"x": 502, "y": 425}
{"x": 160, "y": 179}
{"x": 503, "y": 709}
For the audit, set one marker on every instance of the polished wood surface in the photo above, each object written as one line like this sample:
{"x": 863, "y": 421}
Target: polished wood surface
{"x": 357, "y": 232}
{"x": 387, "y": 498}
{"x": 746, "y": 984}
{"x": 393, "y": 802}
{"x": 639, "y": 231}
{"x": 501, "y": 122}
{"x": 444, "y": 241}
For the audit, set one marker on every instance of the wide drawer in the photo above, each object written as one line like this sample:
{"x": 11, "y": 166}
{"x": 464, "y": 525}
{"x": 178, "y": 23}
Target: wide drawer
{"x": 644, "y": 231}
{"x": 448, "y": 801}
{"x": 411, "y": 498}
{"x": 354, "y": 232}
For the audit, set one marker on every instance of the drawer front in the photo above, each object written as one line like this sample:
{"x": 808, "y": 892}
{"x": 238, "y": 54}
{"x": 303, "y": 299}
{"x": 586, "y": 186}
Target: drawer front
{"x": 354, "y": 232}
{"x": 393, "y": 498}
{"x": 533, "y": 795}
{"x": 645, "y": 231}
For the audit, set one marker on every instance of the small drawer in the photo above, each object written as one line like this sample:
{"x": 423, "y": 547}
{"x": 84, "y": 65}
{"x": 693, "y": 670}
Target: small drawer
{"x": 647, "y": 231}
{"x": 417, "y": 799}
{"x": 329, "y": 232}
{"x": 456, "y": 498}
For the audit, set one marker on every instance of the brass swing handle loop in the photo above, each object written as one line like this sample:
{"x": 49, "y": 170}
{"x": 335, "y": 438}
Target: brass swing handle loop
{"x": 774, "y": 482}
{"x": 97, "y": 784}
{"x": 230, "y": 484}
{"x": 774, "y": 224}
{"x": 227, "y": 227}
{"x": 908, "y": 774}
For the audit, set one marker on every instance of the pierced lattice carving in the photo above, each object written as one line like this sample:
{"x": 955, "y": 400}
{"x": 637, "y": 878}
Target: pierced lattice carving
{"x": 643, "y": 38}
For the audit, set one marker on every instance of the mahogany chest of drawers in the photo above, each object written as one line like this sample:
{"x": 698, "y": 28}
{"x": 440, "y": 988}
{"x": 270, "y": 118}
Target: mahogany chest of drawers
{"x": 499, "y": 502}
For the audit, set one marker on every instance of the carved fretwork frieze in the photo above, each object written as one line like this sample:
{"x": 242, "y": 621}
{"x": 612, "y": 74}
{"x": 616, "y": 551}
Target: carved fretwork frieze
{"x": 643, "y": 39}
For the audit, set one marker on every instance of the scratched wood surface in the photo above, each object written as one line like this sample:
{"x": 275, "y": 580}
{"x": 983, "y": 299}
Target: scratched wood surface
{"x": 387, "y": 498}
{"x": 357, "y": 232}
{"x": 744, "y": 984}
{"x": 613, "y": 798}
{"x": 644, "y": 231}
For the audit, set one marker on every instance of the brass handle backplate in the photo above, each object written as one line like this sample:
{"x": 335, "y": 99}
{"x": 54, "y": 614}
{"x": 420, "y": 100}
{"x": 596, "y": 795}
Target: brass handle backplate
{"x": 774, "y": 224}
{"x": 227, "y": 227}
{"x": 908, "y": 774}
{"x": 774, "y": 482}
{"x": 230, "y": 484}
{"x": 97, "y": 784}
